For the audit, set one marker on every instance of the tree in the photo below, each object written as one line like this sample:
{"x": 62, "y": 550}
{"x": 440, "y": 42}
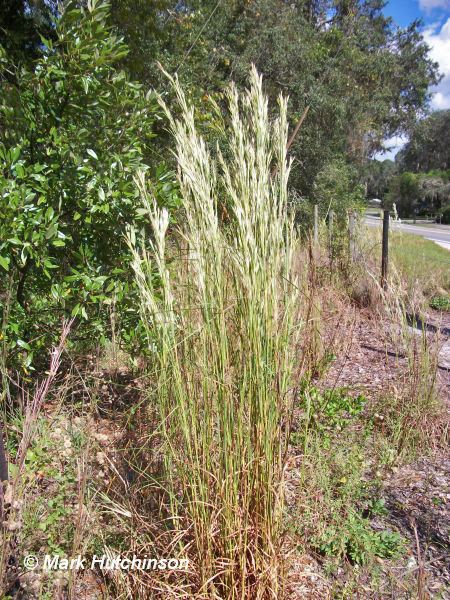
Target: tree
{"x": 362, "y": 78}
{"x": 377, "y": 175}
{"x": 420, "y": 193}
{"x": 428, "y": 147}
{"x": 21, "y": 25}
{"x": 404, "y": 192}
{"x": 73, "y": 131}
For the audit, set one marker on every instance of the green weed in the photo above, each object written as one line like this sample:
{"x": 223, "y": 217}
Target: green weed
{"x": 329, "y": 411}
{"x": 51, "y": 464}
{"x": 440, "y": 303}
{"x": 358, "y": 542}
{"x": 337, "y": 498}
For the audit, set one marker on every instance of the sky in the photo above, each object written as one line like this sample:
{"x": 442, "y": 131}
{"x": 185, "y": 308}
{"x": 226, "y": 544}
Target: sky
{"x": 435, "y": 15}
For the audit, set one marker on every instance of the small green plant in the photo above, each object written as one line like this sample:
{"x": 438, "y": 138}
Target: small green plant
{"x": 48, "y": 520}
{"x": 330, "y": 410}
{"x": 357, "y": 541}
{"x": 388, "y": 544}
{"x": 377, "y": 506}
{"x": 440, "y": 303}
{"x": 338, "y": 408}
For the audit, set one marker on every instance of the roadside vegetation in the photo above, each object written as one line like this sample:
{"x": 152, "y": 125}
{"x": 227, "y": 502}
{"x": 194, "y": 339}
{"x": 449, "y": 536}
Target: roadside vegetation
{"x": 418, "y": 182}
{"x": 424, "y": 266}
{"x": 188, "y": 372}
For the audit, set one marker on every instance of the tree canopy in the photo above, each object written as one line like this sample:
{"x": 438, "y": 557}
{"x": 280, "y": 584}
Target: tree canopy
{"x": 361, "y": 76}
{"x": 21, "y": 25}
{"x": 428, "y": 147}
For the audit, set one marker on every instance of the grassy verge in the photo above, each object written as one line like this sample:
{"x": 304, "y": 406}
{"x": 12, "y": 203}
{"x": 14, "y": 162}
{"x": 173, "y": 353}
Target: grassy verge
{"x": 422, "y": 263}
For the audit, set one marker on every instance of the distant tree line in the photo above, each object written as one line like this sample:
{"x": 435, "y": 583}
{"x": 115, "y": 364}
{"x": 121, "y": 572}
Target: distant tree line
{"x": 419, "y": 181}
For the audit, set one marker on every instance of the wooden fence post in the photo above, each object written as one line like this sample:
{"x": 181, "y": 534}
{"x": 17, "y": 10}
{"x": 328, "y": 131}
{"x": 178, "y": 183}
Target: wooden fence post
{"x": 351, "y": 234}
{"x": 316, "y": 224}
{"x": 330, "y": 232}
{"x": 385, "y": 249}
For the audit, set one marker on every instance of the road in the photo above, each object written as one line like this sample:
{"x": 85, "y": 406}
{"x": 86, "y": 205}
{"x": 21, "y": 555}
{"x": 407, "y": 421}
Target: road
{"x": 436, "y": 233}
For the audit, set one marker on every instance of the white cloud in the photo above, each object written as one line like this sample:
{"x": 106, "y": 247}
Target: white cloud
{"x": 439, "y": 42}
{"x": 441, "y": 101}
{"x": 427, "y": 5}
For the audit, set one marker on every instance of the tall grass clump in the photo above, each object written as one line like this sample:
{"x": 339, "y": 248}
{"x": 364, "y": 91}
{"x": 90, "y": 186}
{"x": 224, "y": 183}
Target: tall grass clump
{"x": 222, "y": 323}
{"x": 413, "y": 412}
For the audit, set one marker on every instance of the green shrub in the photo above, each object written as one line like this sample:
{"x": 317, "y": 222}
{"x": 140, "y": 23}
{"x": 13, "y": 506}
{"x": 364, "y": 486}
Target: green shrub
{"x": 73, "y": 132}
{"x": 336, "y": 188}
{"x": 358, "y": 542}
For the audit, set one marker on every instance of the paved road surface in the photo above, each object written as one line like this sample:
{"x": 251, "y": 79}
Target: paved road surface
{"x": 437, "y": 233}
